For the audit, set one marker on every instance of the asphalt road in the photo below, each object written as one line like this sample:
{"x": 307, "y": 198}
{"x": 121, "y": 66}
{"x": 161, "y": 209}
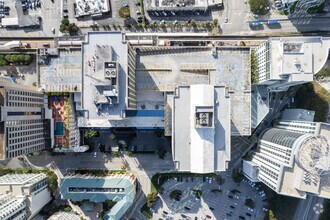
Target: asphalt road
{"x": 305, "y": 209}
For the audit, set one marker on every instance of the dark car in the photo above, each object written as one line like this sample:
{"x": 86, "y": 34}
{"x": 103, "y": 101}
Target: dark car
{"x": 184, "y": 216}
{"x": 228, "y": 214}
{"x": 207, "y": 216}
{"x": 211, "y": 208}
{"x": 165, "y": 212}
{"x": 186, "y": 208}
{"x": 248, "y": 214}
{"x": 232, "y": 207}
{"x": 241, "y": 217}
{"x": 230, "y": 197}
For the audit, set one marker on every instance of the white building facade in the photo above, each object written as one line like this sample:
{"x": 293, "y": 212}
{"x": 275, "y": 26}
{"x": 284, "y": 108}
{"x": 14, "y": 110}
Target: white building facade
{"x": 287, "y": 61}
{"x": 293, "y": 159}
{"x": 29, "y": 192}
{"x": 25, "y": 123}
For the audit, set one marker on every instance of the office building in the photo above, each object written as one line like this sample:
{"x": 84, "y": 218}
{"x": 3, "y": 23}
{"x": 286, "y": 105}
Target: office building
{"x": 119, "y": 188}
{"x": 25, "y": 123}
{"x": 293, "y": 159}
{"x": 29, "y": 193}
{"x": 12, "y": 207}
{"x": 286, "y": 61}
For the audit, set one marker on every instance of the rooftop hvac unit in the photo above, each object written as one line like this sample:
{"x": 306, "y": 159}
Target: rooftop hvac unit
{"x": 110, "y": 73}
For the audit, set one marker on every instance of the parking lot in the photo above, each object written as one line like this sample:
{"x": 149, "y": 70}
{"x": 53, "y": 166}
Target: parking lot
{"x": 225, "y": 201}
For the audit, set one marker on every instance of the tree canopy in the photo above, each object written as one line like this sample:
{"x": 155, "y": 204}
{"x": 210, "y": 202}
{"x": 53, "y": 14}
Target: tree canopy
{"x": 259, "y": 7}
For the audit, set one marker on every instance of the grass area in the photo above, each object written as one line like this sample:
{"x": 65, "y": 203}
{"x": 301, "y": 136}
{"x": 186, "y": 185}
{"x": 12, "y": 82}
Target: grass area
{"x": 316, "y": 9}
{"x": 313, "y": 96}
{"x": 146, "y": 211}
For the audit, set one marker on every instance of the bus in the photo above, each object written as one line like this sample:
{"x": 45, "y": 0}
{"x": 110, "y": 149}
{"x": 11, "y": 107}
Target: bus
{"x": 272, "y": 22}
{"x": 255, "y": 23}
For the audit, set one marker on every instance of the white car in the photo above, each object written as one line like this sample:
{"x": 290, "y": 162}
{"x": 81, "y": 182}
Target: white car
{"x": 95, "y": 154}
{"x": 53, "y": 30}
{"x": 226, "y": 19}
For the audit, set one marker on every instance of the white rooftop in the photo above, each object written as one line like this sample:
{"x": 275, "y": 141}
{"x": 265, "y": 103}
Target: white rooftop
{"x": 298, "y": 57}
{"x": 201, "y": 146}
{"x": 21, "y": 178}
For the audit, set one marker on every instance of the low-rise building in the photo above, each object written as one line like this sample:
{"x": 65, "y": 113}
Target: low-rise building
{"x": 91, "y": 8}
{"x": 120, "y": 188}
{"x": 287, "y": 61}
{"x": 29, "y": 193}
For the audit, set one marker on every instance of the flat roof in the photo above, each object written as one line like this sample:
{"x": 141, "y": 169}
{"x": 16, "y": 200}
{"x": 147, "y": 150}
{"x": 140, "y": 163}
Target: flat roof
{"x": 298, "y": 57}
{"x": 124, "y": 196}
{"x": 201, "y": 149}
{"x": 62, "y": 72}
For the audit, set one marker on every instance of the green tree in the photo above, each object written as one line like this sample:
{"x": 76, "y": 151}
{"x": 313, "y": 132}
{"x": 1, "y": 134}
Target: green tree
{"x": 63, "y": 28}
{"x": 193, "y": 23}
{"x": 271, "y": 215}
{"x": 27, "y": 58}
{"x": 237, "y": 176}
{"x": 259, "y": 7}
{"x": 124, "y": 12}
{"x": 254, "y": 68}
{"x": 250, "y": 203}
{"x": 65, "y": 22}
{"x": 215, "y": 22}
{"x": 73, "y": 28}
{"x": 8, "y": 58}
{"x": 91, "y": 133}
{"x": 151, "y": 198}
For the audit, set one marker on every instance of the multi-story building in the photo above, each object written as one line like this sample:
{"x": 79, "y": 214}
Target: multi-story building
{"x": 29, "y": 192}
{"x": 119, "y": 188}
{"x": 201, "y": 128}
{"x": 24, "y": 120}
{"x": 289, "y": 61}
{"x": 13, "y": 207}
{"x": 293, "y": 159}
